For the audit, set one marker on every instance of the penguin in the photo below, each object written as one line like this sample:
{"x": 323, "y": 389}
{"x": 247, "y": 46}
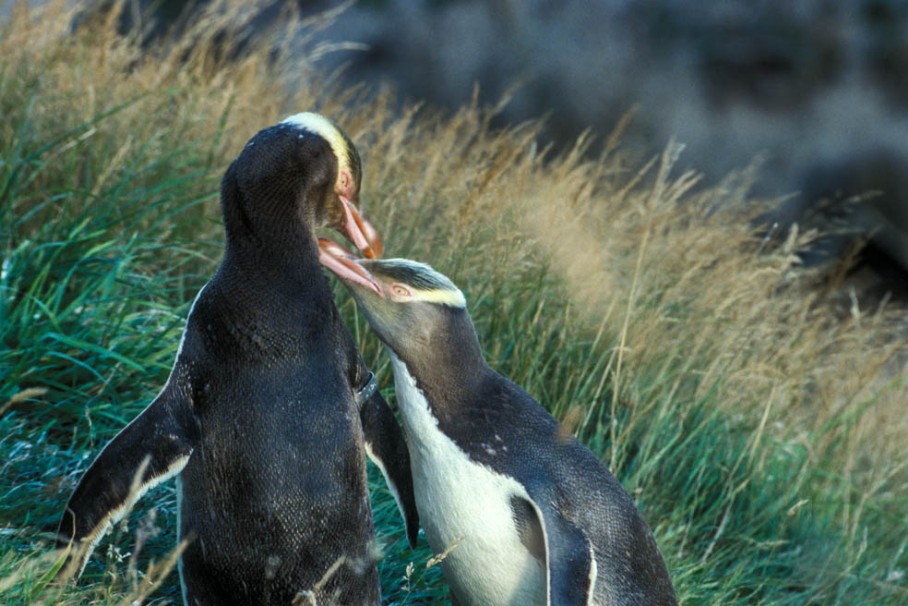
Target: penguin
{"x": 523, "y": 513}
{"x": 269, "y": 409}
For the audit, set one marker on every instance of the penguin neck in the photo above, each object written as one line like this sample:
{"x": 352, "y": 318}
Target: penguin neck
{"x": 288, "y": 259}
{"x": 284, "y": 285}
{"x": 269, "y": 236}
{"x": 448, "y": 368}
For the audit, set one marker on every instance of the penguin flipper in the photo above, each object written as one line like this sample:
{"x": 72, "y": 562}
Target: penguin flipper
{"x": 571, "y": 570}
{"x": 386, "y": 447}
{"x": 151, "y": 449}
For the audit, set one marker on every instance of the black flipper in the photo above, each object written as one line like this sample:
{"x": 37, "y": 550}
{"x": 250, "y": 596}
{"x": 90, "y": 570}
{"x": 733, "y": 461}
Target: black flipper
{"x": 529, "y": 527}
{"x": 386, "y": 447}
{"x": 571, "y": 569}
{"x": 153, "y": 448}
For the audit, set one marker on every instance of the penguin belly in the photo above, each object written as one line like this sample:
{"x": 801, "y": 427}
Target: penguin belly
{"x": 465, "y": 508}
{"x": 265, "y": 512}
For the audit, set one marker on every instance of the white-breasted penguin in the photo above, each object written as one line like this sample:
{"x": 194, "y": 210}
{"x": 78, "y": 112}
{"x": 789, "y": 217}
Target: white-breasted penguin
{"x": 269, "y": 408}
{"x": 532, "y": 515}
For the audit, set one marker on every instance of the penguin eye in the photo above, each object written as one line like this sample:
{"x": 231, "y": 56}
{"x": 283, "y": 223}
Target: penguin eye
{"x": 400, "y": 291}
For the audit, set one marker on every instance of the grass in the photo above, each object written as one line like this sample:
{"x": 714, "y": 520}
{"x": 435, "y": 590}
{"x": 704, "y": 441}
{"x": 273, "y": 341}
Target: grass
{"x": 757, "y": 419}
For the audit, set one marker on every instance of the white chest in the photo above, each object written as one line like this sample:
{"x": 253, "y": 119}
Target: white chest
{"x": 466, "y": 504}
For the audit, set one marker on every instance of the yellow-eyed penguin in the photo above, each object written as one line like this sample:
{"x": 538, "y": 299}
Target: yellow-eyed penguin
{"x": 269, "y": 408}
{"x": 529, "y": 515}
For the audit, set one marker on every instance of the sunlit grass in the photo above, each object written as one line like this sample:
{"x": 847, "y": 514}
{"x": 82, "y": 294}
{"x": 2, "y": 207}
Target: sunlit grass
{"x": 760, "y": 427}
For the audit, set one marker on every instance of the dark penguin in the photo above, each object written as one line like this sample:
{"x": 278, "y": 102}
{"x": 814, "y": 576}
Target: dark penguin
{"x": 532, "y": 515}
{"x": 268, "y": 408}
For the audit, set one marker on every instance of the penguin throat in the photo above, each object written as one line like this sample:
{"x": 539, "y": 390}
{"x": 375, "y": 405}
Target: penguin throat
{"x": 267, "y": 254}
{"x": 291, "y": 240}
{"x": 444, "y": 363}
{"x": 420, "y": 418}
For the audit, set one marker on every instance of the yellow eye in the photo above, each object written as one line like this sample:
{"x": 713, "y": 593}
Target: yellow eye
{"x": 399, "y": 290}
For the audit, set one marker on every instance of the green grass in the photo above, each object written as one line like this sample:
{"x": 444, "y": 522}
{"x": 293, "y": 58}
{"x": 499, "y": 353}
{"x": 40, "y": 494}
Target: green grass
{"x": 758, "y": 425}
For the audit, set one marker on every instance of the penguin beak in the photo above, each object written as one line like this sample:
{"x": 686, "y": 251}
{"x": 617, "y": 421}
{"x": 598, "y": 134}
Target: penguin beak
{"x": 336, "y": 258}
{"x": 363, "y": 235}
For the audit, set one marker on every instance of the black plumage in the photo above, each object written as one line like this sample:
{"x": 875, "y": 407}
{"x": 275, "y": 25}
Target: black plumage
{"x": 562, "y": 530}
{"x": 259, "y": 416}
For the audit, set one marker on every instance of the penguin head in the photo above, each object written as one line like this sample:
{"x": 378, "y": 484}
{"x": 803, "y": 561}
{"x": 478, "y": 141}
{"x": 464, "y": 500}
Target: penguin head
{"x": 292, "y": 178}
{"x": 409, "y": 305}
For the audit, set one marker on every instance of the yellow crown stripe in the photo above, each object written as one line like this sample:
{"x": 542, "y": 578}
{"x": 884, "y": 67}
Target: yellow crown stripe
{"x": 453, "y": 298}
{"x": 329, "y": 131}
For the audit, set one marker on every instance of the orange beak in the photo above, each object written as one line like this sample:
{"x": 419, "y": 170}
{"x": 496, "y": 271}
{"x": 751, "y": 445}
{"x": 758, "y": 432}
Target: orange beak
{"x": 336, "y": 258}
{"x": 363, "y": 235}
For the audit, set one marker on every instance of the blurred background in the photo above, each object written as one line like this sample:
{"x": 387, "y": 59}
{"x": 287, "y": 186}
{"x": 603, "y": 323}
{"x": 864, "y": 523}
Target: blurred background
{"x": 812, "y": 92}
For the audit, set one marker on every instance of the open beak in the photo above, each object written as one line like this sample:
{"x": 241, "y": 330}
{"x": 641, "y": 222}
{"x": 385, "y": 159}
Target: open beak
{"x": 336, "y": 258}
{"x": 361, "y": 233}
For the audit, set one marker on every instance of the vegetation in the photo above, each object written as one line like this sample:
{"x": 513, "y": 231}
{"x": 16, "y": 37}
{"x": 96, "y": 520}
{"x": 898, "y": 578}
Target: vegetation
{"x": 759, "y": 423}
